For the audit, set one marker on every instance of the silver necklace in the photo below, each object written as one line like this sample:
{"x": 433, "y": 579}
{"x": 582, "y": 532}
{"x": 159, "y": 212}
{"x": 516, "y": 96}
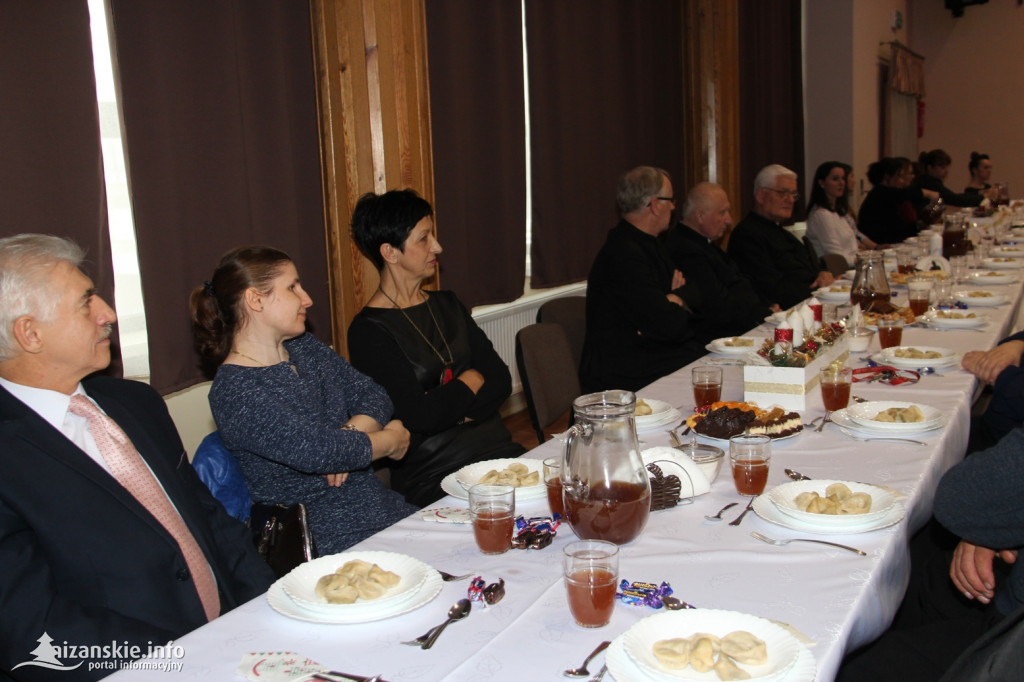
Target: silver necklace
{"x": 446, "y": 374}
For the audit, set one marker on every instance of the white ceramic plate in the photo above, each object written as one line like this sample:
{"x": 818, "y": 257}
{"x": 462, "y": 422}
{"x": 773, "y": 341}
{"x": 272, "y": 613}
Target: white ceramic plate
{"x": 1007, "y": 251}
{"x": 949, "y": 356}
{"x": 659, "y": 410}
{"x": 863, "y": 414}
{"x": 671, "y": 417}
{"x": 783, "y": 648}
{"x": 992, "y": 277}
{"x": 764, "y": 508}
{"x": 783, "y": 496}
{"x": 300, "y": 583}
{"x": 932, "y": 320}
{"x": 280, "y": 602}
{"x": 775, "y": 319}
{"x": 826, "y": 294}
{"x": 451, "y": 486}
{"x": 719, "y": 345}
{"x": 623, "y": 669}
{"x": 469, "y": 475}
{"x": 900, "y": 363}
{"x": 1004, "y": 263}
{"x": 842, "y": 419}
{"x": 981, "y": 301}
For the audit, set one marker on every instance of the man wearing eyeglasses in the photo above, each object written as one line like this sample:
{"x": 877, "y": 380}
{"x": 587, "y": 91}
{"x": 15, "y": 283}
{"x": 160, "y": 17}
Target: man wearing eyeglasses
{"x": 639, "y": 327}
{"x": 779, "y": 264}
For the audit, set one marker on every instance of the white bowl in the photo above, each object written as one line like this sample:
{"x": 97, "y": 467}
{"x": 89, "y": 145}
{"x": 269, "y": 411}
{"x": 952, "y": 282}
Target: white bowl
{"x": 469, "y": 475}
{"x": 784, "y": 499}
{"x": 864, "y": 414}
{"x": 300, "y": 583}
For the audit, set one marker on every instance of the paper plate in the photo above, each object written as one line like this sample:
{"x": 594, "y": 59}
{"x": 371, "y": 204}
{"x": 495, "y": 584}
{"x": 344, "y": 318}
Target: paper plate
{"x": 892, "y": 355}
{"x": 783, "y": 648}
{"x": 784, "y": 497}
{"x": 863, "y": 414}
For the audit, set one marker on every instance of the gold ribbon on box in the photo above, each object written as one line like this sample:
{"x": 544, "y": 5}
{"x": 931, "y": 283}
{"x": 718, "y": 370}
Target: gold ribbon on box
{"x": 785, "y": 389}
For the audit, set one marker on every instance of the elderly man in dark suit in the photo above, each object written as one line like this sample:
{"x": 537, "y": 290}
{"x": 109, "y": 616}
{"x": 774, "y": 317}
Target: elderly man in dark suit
{"x": 728, "y": 301}
{"x": 107, "y": 536}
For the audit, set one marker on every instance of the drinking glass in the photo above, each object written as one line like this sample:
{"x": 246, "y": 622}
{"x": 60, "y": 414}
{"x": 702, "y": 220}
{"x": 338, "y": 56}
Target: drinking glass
{"x": 920, "y": 291}
{"x": 707, "y": 385}
{"x": 890, "y": 333}
{"x": 591, "y": 570}
{"x": 749, "y": 457}
{"x": 835, "y": 387}
{"x": 553, "y": 481}
{"x": 943, "y": 293}
{"x": 493, "y": 509}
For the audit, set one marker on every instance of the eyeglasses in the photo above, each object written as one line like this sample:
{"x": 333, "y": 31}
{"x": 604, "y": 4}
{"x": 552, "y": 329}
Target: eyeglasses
{"x": 785, "y": 193}
{"x": 671, "y": 200}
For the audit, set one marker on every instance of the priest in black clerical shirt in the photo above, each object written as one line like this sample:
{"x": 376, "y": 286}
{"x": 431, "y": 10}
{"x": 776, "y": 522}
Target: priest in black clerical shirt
{"x": 728, "y": 303}
{"x": 779, "y": 265}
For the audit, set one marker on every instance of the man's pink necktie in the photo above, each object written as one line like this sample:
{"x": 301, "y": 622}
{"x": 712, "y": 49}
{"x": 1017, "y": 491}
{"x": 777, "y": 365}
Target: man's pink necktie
{"x": 128, "y": 467}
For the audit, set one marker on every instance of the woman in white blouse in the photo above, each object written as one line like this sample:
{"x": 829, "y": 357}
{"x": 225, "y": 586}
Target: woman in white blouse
{"x": 829, "y": 227}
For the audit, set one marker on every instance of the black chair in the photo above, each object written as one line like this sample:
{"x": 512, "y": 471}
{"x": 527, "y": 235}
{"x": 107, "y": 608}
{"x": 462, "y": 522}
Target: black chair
{"x": 835, "y": 263}
{"x": 571, "y": 313}
{"x": 550, "y": 381}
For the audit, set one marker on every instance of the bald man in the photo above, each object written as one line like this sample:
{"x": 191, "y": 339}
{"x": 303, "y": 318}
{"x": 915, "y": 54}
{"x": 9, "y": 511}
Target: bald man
{"x": 728, "y": 303}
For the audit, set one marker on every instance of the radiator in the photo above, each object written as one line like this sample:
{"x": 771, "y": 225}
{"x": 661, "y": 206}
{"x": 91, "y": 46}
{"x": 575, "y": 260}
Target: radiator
{"x": 501, "y": 322}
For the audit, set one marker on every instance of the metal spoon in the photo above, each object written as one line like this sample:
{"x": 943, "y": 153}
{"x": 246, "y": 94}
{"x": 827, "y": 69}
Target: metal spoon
{"x": 718, "y": 517}
{"x": 582, "y": 670}
{"x": 672, "y": 604}
{"x": 796, "y": 475}
{"x": 739, "y": 519}
{"x": 458, "y": 611}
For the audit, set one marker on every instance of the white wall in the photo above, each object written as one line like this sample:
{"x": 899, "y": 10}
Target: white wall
{"x": 841, "y": 55}
{"x": 974, "y": 84}
{"x": 190, "y": 411}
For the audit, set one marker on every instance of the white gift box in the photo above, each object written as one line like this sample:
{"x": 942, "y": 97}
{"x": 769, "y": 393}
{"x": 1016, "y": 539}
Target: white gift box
{"x": 788, "y": 387}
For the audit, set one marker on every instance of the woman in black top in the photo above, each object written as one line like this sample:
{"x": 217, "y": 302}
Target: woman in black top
{"x": 442, "y": 373}
{"x": 980, "y": 167}
{"x": 934, "y": 169}
{"x": 888, "y": 214}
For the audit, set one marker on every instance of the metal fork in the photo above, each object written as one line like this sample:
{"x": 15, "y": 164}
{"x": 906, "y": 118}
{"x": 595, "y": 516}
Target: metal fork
{"x": 773, "y": 541}
{"x": 826, "y": 420}
{"x": 812, "y": 423}
{"x": 448, "y": 577}
{"x": 422, "y": 639}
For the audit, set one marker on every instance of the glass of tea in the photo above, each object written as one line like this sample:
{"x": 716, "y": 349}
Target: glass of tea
{"x": 493, "y": 509}
{"x": 591, "y": 570}
{"x": 553, "y": 481}
{"x": 749, "y": 457}
{"x": 835, "y": 387}
{"x": 890, "y": 333}
{"x": 707, "y": 385}
{"x": 920, "y": 294}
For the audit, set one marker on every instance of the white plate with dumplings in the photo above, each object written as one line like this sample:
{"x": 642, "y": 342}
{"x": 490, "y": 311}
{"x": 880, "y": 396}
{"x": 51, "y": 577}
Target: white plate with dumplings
{"x": 378, "y": 569}
{"x": 735, "y": 345}
{"x": 843, "y": 504}
{"x": 992, "y": 277}
{"x": 865, "y": 415}
{"x": 659, "y": 411}
{"x": 779, "y": 653}
{"x": 903, "y": 356}
{"x": 981, "y": 298}
{"x": 1002, "y": 263}
{"x": 472, "y": 474}
{"x": 767, "y": 510}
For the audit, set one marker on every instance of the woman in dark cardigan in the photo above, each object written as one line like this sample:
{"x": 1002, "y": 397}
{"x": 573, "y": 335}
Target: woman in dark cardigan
{"x": 442, "y": 373}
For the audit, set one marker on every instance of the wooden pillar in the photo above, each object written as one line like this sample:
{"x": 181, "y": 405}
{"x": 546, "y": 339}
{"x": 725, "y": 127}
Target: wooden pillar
{"x": 711, "y": 79}
{"x": 374, "y": 108}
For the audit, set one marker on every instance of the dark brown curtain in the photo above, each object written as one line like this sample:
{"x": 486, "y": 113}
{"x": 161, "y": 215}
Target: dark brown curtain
{"x": 771, "y": 93}
{"x": 221, "y": 131}
{"x": 479, "y": 146}
{"x": 605, "y": 95}
{"x": 51, "y": 165}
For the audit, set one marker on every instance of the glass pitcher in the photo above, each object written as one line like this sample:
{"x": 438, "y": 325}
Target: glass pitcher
{"x": 870, "y": 283}
{"x": 606, "y": 490}
{"x": 954, "y": 236}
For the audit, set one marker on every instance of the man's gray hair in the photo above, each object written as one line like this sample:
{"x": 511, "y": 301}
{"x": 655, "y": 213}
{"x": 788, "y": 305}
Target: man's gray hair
{"x": 637, "y": 187}
{"x": 767, "y": 176}
{"x": 26, "y": 262}
{"x": 699, "y": 197}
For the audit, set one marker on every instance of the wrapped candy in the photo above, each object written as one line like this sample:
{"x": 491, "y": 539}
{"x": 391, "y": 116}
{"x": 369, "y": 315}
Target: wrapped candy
{"x": 536, "y": 532}
{"x": 641, "y": 593}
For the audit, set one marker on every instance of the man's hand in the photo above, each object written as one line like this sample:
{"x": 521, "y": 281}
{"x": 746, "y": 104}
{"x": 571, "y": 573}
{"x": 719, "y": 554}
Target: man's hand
{"x": 825, "y": 278}
{"x": 775, "y": 308}
{"x": 672, "y": 298}
{"x": 677, "y": 280}
{"x": 335, "y": 480}
{"x": 971, "y": 570}
{"x": 986, "y": 365}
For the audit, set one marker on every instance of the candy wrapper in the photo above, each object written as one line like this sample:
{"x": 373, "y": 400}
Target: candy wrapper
{"x": 536, "y": 532}
{"x": 640, "y": 593}
{"x": 490, "y": 595}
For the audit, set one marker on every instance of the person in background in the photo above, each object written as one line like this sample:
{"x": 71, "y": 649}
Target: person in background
{"x": 106, "y": 533}
{"x": 829, "y": 228}
{"x": 303, "y": 424}
{"x": 934, "y": 169}
{"x": 780, "y": 265}
{"x": 850, "y": 186}
{"x": 999, "y": 367}
{"x": 639, "y": 327}
{"x": 980, "y": 168}
{"x": 888, "y": 214}
{"x": 729, "y": 304}
{"x": 445, "y": 378}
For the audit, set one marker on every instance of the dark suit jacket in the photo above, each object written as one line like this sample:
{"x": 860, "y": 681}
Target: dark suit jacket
{"x": 82, "y": 560}
{"x": 728, "y": 301}
{"x": 778, "y": 264}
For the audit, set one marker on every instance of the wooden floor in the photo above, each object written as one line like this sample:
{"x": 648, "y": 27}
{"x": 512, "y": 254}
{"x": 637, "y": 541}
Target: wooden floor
{"x": 522, "y": 430}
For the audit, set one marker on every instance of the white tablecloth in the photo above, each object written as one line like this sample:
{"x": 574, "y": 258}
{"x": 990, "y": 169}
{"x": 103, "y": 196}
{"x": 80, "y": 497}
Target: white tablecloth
{"x": 837, "y": 598}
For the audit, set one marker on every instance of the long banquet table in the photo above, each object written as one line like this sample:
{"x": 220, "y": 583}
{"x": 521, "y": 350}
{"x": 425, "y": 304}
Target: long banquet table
{"x": 838, "y": 599}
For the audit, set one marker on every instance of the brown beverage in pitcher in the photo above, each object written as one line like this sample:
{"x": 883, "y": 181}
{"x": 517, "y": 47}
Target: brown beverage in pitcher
{"x": 615, "y": 511}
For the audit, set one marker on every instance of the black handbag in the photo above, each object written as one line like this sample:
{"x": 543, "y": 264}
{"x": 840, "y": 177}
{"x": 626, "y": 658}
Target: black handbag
{"x": 281, "y": 534}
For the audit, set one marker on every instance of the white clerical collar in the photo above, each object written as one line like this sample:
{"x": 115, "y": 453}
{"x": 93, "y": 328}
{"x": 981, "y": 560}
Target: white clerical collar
{"x": 50, "y": 405}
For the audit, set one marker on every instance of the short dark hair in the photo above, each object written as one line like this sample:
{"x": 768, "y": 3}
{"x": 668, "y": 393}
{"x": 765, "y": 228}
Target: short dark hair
{"x": 976, "y": 159}
{"x": 387, "y": 218}
{"x": 936, "y": 157}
